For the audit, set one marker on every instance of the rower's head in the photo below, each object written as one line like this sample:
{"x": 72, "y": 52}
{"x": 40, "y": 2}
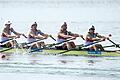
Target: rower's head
{"x": 64, "y": 26}
{"x": 92, "y": 29}
{"x": 8, "y": 23}
{"x": 34, "y": 25}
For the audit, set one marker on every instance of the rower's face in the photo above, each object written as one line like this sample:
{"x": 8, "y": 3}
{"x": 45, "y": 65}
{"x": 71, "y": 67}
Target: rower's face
{"x": 7, "y": 25}
{"x": 34, "y": 27}
{"x": 91, "y": 31}
{"x": 64, "y": 28}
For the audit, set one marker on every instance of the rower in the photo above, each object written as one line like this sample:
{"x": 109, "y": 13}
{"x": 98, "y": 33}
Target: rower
{"x": 92, "y": 37}
{"x": 64, "y": 35}
{"x": 6, "y": 34}
{"x": 35, "y": 34}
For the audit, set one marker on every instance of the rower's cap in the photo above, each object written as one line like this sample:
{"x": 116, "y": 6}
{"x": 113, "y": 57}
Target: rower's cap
{"x": 92, "y": 28}
{"x": 34, "y": 24}
{"x": 8, "y": 23}
{"x": 64, "y": 25}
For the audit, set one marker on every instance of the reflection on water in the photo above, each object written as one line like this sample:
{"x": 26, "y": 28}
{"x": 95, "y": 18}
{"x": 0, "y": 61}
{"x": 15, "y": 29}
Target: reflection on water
{"x": 104, "y": 67}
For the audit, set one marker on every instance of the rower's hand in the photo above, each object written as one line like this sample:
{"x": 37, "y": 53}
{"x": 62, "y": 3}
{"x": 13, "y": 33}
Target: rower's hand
{"x": 108, "y": 36}
{"x": 52, "y": 37}
{"x": 41, "y": 37}
{"x": 103, "y": 39}
{"x": 73, "y": 37}
{"x": 17, "y": 36}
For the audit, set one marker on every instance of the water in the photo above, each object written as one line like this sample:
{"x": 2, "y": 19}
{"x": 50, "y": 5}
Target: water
{"x": 50, "y": 14}
{"x": 45, "y": 67}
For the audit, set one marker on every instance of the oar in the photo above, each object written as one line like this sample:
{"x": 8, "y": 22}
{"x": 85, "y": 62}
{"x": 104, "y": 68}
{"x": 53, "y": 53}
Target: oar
{"x": 54, "y": 44}
{"x": 81, "y": 47}
{"x": 38, "y": 39}
{"x": 52, "y": 37}
{"x": 35, "y": 41}
{"x": 64, "y": 42}
{"x": 24, "y": 35}
{"x": 10, "y": 39}
{"x": 6, "y": 40}
{"x": 113, "y": 43}
{"x": 110, "y": 46}
{"x": 14, "y": 42}
{"x": 86, "y": 45}
{"x": 6, "y": 49}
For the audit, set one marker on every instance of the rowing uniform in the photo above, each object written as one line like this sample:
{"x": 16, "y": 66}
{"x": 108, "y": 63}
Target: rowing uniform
{"x": 61, "y": 39}
{"x": 4, "y": 37}
{"x": 89, "y": 41}
{"x": 32, "y": 38}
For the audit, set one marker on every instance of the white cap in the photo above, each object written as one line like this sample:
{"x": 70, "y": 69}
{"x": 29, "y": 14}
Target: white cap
{"x": 8, "y": 22}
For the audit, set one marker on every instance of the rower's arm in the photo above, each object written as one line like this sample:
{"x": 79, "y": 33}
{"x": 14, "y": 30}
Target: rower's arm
{"x": 36, "y": 36}
{"x": 45, "y": 36}
{"x": 76, "y": 35}
{"x": 16, "y": 33}
{"x": 91, "y": 39}
{"x": 73, "y": 34}
{"x": 5, "y": 32}
{"x": 100, "y": 36}
{"x": 65, "y": 36}
{"x": 7, "y": 35}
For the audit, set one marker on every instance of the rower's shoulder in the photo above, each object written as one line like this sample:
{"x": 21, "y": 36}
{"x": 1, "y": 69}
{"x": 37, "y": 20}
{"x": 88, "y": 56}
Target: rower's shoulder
{"x": 5, "y": 29}
{"x": 60, "y": 33}
{"x": 88, "y": 34}
{"x": 39, "y": 30}
{"x": 11, "y": 29}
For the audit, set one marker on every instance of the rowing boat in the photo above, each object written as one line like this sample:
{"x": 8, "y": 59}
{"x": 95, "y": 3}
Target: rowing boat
{"x": 82, "y": 53}
{"x": 67, "y": 52}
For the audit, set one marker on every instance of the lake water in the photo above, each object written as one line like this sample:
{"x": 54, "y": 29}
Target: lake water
{"x": 50, "y": 14}
{"x": 45, "y": 67}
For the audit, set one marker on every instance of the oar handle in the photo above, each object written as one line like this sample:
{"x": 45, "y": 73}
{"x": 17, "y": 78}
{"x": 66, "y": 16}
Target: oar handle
{"x": 61, "y": 42}
{"x": 52, "y": 37}
{"x": 35, "y": 41}
{"x": 92, "y": 43}
{"x": 82, "y": 37}
{"x": 54, "y": 44}
{"x": 24, "y": 35}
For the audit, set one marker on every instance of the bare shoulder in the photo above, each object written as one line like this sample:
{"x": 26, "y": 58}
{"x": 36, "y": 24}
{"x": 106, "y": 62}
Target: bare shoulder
{"x": 60, "y": 33}
{"x": 4, "y": 30}
{"x": 88, "y": 34}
